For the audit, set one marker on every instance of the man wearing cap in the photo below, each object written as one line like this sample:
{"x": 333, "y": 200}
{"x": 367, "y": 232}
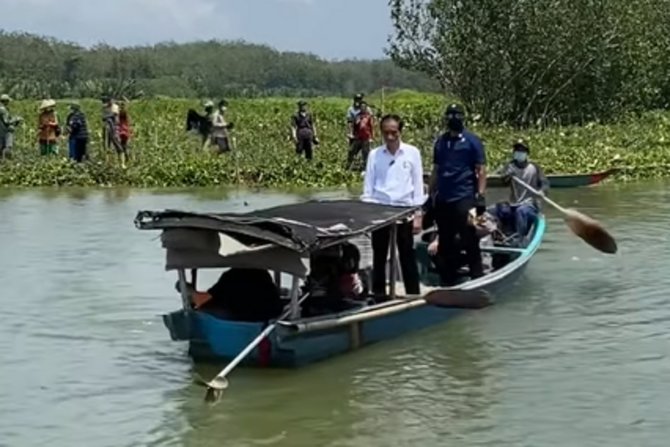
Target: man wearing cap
{"x": 8, "y": 125}
{"x": 363, "y": 136}
{"x": 458, "y": 184}
{"x": 352, "y": 113}
{"x": 303, "y": 131}
{"x": 523, "y": 206}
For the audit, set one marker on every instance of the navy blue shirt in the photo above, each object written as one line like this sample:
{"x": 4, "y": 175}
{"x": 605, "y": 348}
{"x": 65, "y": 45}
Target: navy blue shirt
{"x": 455, "y": 159}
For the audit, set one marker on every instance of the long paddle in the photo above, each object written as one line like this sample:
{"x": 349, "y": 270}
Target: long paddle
{"x": 590, "y": 230}
{"x": 219, "y": 383}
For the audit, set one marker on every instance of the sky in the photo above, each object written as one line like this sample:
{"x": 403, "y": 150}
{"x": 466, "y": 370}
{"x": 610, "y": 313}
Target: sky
{"x": 333, "y": 29}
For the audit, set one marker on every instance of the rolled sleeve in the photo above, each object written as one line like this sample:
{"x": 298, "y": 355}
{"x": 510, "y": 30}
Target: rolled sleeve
{"x": 418, "y": 196}
{"x": 479, "y": 153}
{"x": 369, "y": 180}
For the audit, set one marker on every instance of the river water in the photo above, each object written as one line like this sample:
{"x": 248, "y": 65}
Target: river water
{"x": 579, "y": 356}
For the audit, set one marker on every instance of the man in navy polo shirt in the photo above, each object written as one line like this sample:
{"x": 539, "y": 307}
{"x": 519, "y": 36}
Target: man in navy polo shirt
{"x": 458, "y": 184}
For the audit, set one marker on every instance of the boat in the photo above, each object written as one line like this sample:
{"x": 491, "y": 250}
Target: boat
{"x": 562, "y": 180}
{"x": 278, "y": 242}
{"x": 556, "y": 180}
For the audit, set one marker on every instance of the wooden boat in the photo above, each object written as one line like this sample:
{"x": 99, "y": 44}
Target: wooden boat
{"x": 280, "y": 240}
{"x": 558, "y": 180}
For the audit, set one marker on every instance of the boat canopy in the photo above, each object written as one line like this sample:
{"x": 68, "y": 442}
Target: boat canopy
{"x": 274, "y": 238}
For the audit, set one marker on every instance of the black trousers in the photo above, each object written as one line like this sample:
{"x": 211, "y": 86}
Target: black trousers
{"x": 406, "y": 255}
{"x": 306, "y": 146}
{"x": 80, "y": 145}
{"x": 356, "y": 146}
{"x": 452, "y": 222}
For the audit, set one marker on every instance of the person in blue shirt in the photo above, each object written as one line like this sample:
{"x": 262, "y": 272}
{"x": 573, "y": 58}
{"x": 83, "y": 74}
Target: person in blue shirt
{"x": 458, "y": 184}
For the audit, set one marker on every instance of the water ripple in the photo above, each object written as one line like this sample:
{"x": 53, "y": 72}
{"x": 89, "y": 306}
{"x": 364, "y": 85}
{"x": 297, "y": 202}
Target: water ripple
{"x": 577, "y": 355}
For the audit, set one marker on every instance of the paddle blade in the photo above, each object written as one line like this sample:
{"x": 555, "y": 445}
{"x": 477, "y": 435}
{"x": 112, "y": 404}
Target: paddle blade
{"x": 459, "y": 299}
{"x": 591, "y": 231}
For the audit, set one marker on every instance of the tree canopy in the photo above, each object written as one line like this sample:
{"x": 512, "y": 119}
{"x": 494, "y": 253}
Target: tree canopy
{"x": 529, "y": 61}
{"x": 34, "y": 66}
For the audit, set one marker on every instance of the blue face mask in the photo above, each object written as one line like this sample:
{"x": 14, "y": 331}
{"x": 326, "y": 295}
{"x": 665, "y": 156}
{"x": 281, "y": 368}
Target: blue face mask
{"x": 520, "y": 156}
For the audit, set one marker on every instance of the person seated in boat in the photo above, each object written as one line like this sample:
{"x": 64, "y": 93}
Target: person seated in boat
{"x": 240, "y": 294}
{"x": 333, "y": 278}
{"x": 197, "y": 299}
{"x": 522, "y": 208}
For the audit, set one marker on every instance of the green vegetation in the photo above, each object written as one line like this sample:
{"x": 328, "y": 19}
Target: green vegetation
{"x": 164, "y": 155}
{"x": 36, "y": 67}
{"x": 540, "y": 61}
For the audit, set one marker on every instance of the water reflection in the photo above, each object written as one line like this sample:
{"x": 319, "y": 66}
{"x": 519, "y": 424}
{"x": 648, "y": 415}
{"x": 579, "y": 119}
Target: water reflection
{"x": 358, "y": 399}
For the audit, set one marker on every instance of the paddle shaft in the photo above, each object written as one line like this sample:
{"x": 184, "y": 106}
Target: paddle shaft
{"x": 537, "y": 193}
{"x": 245, "y": 352}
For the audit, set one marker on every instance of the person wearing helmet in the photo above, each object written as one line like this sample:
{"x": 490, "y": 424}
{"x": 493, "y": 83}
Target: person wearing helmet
{"x": 458, "y": 184}
{"x": 303, "y": 131}
{"x": 8, "y": 124}
{"x": 523, "y": 207}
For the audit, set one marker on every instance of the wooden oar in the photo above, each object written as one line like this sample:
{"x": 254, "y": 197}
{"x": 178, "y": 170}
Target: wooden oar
{"x": 590, "y": 230}
{"x": 219, "y": 383}
{"x": 458, "y": 299}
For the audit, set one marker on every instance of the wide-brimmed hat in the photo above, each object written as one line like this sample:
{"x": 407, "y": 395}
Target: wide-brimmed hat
{"x": 47, "y": 103}
{"x": 5, "y": 98}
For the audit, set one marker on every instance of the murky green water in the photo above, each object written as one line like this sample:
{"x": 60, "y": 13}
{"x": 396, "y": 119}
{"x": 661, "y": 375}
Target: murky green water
{"x": 578, "y": 357}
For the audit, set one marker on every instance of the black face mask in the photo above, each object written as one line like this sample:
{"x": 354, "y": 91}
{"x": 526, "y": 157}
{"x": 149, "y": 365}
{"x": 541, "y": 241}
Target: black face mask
{"x": 455, "y": 124}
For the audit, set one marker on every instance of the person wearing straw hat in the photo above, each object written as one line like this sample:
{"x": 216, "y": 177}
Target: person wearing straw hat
{"x": 48, "y": 128}
{"x": 8, "y": 124}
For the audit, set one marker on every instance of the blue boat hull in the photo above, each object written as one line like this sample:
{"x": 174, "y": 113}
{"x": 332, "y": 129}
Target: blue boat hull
{"x": 298, "y": 344}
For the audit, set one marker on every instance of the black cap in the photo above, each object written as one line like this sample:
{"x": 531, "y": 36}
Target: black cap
{"x": 302, "y": 102}
{"x": 359, "y": 97}
{"x": 521, "y": 144}
{"x": 454, "y": 109}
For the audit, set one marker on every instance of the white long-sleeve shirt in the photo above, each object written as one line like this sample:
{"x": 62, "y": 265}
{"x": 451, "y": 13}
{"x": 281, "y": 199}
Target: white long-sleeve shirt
{"x": 395, "y": 180}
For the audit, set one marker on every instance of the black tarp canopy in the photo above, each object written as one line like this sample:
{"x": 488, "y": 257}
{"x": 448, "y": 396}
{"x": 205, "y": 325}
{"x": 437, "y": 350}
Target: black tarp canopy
{"x": 301, "y": 227}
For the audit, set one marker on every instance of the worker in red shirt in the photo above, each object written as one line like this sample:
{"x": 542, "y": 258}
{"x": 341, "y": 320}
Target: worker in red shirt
{"x": 363, "y": 128}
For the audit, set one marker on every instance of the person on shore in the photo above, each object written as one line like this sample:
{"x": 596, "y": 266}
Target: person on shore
{"x": 459, "y": 182}
{"x": 363, "y": 133}
{"x": 125, "y": 130}
{"x": 77, "y": 131}
{"x": 8, "y": 125}
{"x": 352, "y": 113}
{"x": 394, "y": 176}
{"x": 523, "y": 207}
{"x": 220, "y": 136}
{"x": 303, "y": 131}
{"x": 48, "y": 128}
{"x": 110, "y": 131}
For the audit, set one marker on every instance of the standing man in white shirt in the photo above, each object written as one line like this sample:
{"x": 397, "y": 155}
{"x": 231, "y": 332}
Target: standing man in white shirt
{"x": 394, "y": 176}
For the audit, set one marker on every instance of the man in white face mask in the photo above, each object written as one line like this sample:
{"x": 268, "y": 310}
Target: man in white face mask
{"x": 523, "y": 204}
